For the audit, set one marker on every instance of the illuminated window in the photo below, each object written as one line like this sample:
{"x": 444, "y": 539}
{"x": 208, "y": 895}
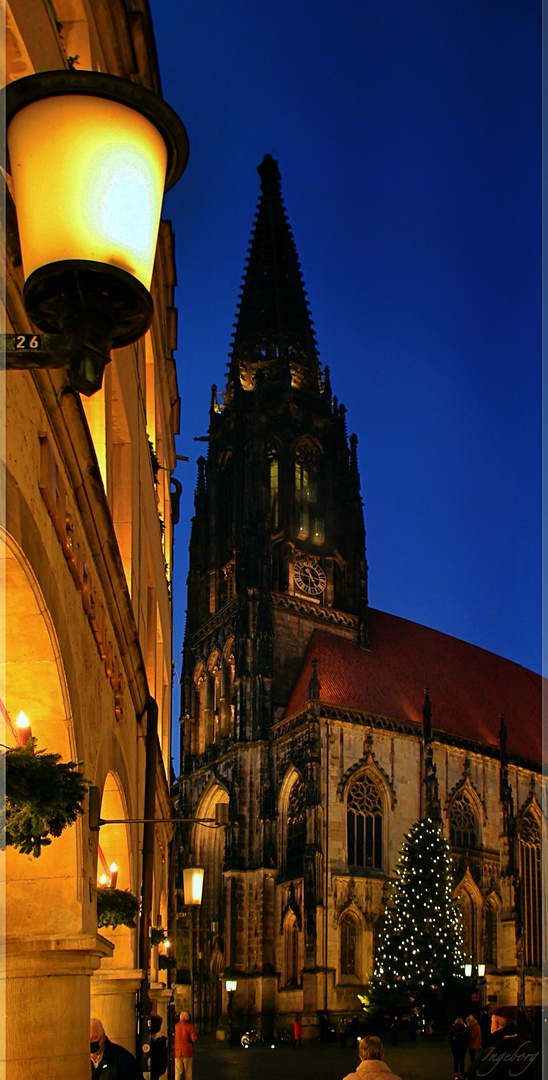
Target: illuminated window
{"x": 274, "y": 489}
{"x": 530, "y": 871}
{"x": 306, "y": 495}
{"x": 491, "y": 934}
{"x": 364, "y": 824}
{"x": 349, "y": 944}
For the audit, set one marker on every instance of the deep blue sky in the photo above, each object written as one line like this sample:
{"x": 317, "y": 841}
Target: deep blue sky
{"x": 408, "y": 138}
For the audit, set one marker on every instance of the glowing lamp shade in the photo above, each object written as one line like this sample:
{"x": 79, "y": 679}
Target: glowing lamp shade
{"x": 193, "y": 883}
{"x": 89, "y": 178}
{"x": 468, "y": 970}
{"x": 230, "y": 985}
{"x": 90, "y": 156}
{"x": 481, "y": 970}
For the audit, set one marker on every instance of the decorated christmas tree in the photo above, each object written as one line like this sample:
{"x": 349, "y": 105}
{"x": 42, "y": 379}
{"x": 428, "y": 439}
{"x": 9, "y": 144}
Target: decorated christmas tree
{"x": 420, "y": 956}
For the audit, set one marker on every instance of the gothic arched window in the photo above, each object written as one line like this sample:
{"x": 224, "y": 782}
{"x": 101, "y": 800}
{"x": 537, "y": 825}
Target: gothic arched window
{"x": 491, "y": 934}
{"x": 291, "y": 950}
{"x": 350, "y": 933}
{"x": 463, "y": 823}
{"x": 364, "y": 824}
{"x": 469, "y": 924}
{"x": 295, "y": 830}
{"x": 273, "y": 480}
{"x": 530, "y": 872}
{"x": 309, "y": 525}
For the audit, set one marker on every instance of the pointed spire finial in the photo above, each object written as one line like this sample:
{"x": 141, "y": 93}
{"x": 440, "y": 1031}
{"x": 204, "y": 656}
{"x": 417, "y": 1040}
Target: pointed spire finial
{"x": 269, "y": 172}
{"x": 274, "y": 338}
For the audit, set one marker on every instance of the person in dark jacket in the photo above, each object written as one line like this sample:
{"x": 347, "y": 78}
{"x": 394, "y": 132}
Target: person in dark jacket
{"x": 109, "y": 1061}
{"x": 506, "y": 1054}
{"x": 158, "y": 1048}
{"x": 354, "y": 1030}
{"x": 458, "y": 1040}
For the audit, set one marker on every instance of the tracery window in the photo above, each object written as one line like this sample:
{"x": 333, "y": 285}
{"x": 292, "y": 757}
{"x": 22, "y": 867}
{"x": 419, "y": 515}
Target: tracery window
{"x": 306, "y": 496}
{"x": 273, "y": 469}
{"x": 364, "y": 824}
{"x": 296, "y": 830}
{"x": 349, "y": 945}
{"x": 491, "y": 934}
{"x": 463, "y": 823}
{"x": 530, "y": 872}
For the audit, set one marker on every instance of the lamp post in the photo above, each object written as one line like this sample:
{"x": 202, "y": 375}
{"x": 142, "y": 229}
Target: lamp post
{"x": 230, "y": 987}
{"x": 90, "y": 156}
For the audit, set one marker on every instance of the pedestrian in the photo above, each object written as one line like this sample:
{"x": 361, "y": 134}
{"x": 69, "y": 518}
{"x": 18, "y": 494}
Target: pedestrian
{"x": 297, "y": 1032}
{"x": 342, "y": 1032}
{"x": 185, "y": 1037}
{"x": 372, "y": 1064}
{"x": 413, "y": 1027}
{"x": 109, "y": 1060}
{"x": 458, "y": 1040}
{"x": 505, "y": 1054}
{"x": 158, "y": 1048}
{"x": 354, "y": 1030}
{"x": 324, "y": 1027}
{"x": 474, "y": 1035}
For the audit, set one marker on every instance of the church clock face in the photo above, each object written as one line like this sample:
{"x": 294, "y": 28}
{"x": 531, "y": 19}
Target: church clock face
{"x": 309, "y": 576}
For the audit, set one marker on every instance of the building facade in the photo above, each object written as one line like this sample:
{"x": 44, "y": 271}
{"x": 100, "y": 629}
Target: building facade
{"x": 87, "y": 556}
{"x": 308, "y": 714}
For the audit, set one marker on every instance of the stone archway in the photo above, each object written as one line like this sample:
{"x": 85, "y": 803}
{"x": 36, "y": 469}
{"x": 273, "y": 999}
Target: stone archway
{"x": 114, "y": 986}
{"x": 51, "y": 949}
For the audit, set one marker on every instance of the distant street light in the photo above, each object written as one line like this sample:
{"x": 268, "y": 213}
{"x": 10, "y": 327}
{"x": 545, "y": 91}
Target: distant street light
{"x": 230, "y": 986}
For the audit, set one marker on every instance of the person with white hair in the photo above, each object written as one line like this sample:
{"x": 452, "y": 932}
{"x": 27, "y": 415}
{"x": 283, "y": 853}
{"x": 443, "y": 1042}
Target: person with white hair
{"x": 372, "y": 1064}
{"x": 185, "y": 1037}
{"x": 109, "y": 1061}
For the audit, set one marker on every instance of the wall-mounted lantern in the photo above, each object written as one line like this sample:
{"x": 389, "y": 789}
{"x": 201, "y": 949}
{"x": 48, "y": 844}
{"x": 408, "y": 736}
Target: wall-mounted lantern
{"x": 193, "y": 883}
{"x": 90, "y": 156}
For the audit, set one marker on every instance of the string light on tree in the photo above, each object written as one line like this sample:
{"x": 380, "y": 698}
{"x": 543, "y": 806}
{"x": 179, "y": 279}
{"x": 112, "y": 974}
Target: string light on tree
{"x": 420, "y": 957}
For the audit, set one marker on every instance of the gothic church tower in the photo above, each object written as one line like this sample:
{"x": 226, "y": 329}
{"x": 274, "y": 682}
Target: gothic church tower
{"x": 277, "y": 547}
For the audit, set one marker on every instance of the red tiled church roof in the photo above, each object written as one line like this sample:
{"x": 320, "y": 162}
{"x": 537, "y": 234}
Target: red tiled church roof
{"x": 469, "y": 687}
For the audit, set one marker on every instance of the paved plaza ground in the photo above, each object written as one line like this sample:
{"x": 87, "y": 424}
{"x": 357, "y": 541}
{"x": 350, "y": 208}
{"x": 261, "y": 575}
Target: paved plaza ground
{"x": 427, "y": 1059}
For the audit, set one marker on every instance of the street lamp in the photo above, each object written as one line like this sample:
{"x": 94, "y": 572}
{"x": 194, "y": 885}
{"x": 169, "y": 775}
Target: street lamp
{"x": 230, "y": 987}
{"x": 193, "y": 883}
{"x": 90, "y": 156}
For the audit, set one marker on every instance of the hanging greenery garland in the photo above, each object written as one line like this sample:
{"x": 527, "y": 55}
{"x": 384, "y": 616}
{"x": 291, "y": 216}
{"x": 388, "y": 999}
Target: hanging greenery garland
{"x": 116, "y": 907}
{"x": 165, "y": 962}
{"x": 43, "y": 796}
{"x": 157, "y": 935}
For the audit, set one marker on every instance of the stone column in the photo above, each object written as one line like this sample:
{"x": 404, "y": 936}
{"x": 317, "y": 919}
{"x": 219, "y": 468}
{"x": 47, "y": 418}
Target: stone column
{"x": 47, "y": 989}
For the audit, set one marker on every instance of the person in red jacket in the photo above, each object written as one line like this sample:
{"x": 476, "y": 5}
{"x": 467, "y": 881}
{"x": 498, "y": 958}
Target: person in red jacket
{"x": 297, "y": 1032}
{"x": 185, "y": 1037}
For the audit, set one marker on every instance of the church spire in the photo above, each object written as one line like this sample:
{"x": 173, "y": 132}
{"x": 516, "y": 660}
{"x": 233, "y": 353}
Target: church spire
{"x": 273, "y": 340}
